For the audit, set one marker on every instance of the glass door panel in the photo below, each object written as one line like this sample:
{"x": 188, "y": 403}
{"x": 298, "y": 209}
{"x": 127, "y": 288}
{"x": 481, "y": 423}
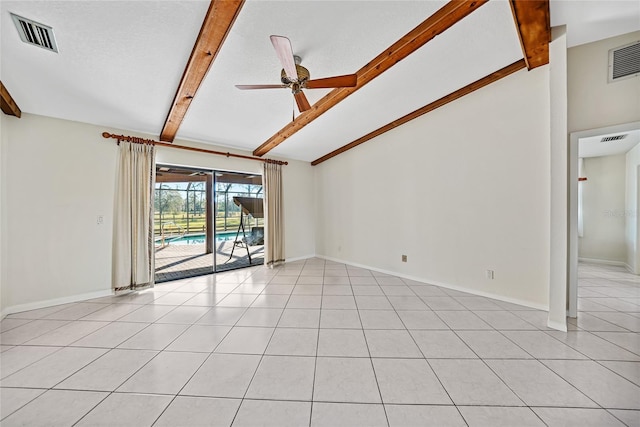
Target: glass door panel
{"x": 239, "y": 220}
{"x": 183, "y": 231}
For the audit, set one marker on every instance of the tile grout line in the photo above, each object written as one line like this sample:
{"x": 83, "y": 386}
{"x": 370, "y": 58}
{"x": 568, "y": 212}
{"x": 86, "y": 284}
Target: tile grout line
{"x": 261, "y": 358}
{"x": 373, "y": 369}
{"x": 209, "y": 356}
{"x": 315, "y": 361}
{"x": 423, "y": 355}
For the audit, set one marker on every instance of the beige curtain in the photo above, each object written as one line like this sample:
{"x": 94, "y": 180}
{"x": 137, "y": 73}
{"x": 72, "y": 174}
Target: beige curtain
{"x": 133, "y": 260}
{"x": 273, "y": 219}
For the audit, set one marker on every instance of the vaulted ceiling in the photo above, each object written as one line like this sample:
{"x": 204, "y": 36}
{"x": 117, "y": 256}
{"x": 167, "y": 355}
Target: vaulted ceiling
{"x": 120, "y": 63}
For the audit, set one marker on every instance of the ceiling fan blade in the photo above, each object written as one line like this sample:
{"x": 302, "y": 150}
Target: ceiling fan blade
{"x": 284, "y": 51}
{"x": 302, "y": 101}
{"x": 349, "y": 80}
{"x": 247, "y": 87}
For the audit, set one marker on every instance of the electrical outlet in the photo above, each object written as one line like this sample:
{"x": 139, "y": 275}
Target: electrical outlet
{"x": 489, "y": 274}
{"x": 404, "y": 258}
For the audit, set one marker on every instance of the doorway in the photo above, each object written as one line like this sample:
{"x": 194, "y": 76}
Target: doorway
{"x": 596, "y": 180}
{"x": 206, "y": 221}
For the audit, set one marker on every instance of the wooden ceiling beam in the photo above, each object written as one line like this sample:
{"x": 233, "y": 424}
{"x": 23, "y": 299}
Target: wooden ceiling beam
{"x": 533, "y": 23}
{"x": 493, "y": 77}
{"x": 434, "y": 25}
{"x": 215, "y": 28}
{"x": 7, "y": 103}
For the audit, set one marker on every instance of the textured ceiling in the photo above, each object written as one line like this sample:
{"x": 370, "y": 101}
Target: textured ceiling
{"x": 120, "y": 62}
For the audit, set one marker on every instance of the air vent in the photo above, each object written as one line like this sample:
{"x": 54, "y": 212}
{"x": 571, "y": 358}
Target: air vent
{"x": 624, "y": 62}
{"x": 614, "y": 138}
{"x": 35, "y": 33}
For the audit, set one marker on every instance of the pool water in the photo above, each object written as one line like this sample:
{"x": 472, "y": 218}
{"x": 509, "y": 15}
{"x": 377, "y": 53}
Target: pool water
{"x": 198, "y": 239}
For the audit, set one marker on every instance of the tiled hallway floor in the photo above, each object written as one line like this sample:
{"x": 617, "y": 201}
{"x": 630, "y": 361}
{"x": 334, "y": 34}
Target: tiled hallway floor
{"x": 317, "y": 343}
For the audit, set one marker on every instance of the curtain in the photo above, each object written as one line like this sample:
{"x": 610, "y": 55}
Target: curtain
{"x": 581, "y": 172}
{"x": 133, "y": 260}
{"x": 274, "y": 227}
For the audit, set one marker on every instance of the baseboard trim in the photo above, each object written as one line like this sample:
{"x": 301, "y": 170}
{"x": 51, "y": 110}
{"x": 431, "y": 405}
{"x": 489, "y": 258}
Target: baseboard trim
{"x": 559, "y": 326}
{"x": 51, "y": 302}
{"x": 443, "y": 285}
{"x": 300, "y": 258}
{"x": 604, "y": 262}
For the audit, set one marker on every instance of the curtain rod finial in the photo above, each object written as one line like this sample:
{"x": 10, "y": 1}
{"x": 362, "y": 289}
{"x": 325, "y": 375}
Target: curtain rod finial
{"x": 106, "y": 135}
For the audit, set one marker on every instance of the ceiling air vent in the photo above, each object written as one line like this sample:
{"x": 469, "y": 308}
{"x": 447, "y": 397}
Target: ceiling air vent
{"x": 35, "y": 33}
{"x": 624, "y": 62}
{"x": 614, "y": 138}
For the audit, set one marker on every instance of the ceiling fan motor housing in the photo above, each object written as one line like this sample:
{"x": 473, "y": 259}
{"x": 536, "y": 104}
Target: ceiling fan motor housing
{"x": 303, "y": 75}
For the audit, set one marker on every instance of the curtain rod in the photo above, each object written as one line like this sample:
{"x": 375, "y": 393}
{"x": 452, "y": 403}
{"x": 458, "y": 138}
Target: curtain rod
{"x": 138, "y": 140}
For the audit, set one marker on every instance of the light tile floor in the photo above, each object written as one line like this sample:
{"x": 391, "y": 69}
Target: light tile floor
{"x": 317, "y": 343}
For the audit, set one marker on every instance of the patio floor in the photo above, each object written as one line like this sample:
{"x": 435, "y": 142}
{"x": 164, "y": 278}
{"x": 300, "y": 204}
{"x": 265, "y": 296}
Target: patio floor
{"x": 181, "y": 261}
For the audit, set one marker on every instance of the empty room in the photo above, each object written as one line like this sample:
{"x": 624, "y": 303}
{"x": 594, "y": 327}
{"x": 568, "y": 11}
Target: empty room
{"x": 320, "y": 213}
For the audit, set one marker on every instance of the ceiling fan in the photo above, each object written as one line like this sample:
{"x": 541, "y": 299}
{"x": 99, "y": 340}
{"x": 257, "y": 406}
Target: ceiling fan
{"x": 296, "y": 77}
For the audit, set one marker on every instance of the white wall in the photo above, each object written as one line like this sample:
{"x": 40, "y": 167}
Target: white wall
{"x": 460, "y": 190}
{"x": 3, "y": 223}
{"x": 632, "y": 160}
{"x": 593, "y": 102}
{"x": 603, "y": 204}
{"x": 58, "y": 176}
{"x": 558, "y": 190}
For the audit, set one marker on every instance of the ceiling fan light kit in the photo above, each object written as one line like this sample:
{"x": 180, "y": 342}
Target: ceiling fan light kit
{"x": 303, "y": 75}
{"x": 296, "y": 77}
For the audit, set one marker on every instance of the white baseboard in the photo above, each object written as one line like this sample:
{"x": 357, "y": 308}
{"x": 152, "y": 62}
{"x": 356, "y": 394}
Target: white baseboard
{"x": 300, "y": 258}
{"x": 443, "y": 285}
{"x": 51, "y": 302}
{"x": 559, "y": 326}
{"x": 604, "y": 262}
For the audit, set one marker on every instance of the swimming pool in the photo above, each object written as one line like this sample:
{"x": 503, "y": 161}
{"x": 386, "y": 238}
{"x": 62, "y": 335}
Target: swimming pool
{"x": 197, "y": 239}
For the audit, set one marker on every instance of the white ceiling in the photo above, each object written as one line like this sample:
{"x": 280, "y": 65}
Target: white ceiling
{"x": 120, "y": 62}
{"x": 591, "y": 20}
{"x": 593, "y": 146}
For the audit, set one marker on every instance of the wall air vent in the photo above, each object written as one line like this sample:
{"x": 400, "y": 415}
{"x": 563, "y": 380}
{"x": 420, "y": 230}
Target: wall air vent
{"x": 35, "y": 33}
{"x": 624, "y": 62}
{"x": 614, "y": 138}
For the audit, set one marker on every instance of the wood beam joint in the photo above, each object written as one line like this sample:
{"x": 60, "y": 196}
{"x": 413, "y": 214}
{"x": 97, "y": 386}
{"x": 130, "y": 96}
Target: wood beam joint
{"x": 7, "y": 103}
{"x": 533, "y": 22}
{"x": 215, "y": 28}
{"x": 440, "y": 21}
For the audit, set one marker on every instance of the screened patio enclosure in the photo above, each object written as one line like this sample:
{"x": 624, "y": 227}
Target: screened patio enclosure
{"x": 206, "y": 221}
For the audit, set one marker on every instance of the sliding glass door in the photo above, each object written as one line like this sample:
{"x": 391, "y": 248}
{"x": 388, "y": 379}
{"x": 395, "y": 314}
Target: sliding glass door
{"x": 184, "y": 238}
{"x": 239, "y": 220}
{"x": 206, "y": 221}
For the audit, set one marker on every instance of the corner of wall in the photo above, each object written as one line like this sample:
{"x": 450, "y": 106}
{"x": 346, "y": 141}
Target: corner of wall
{"x": 4, "y": 140}
{"x": 559, "y": 197}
